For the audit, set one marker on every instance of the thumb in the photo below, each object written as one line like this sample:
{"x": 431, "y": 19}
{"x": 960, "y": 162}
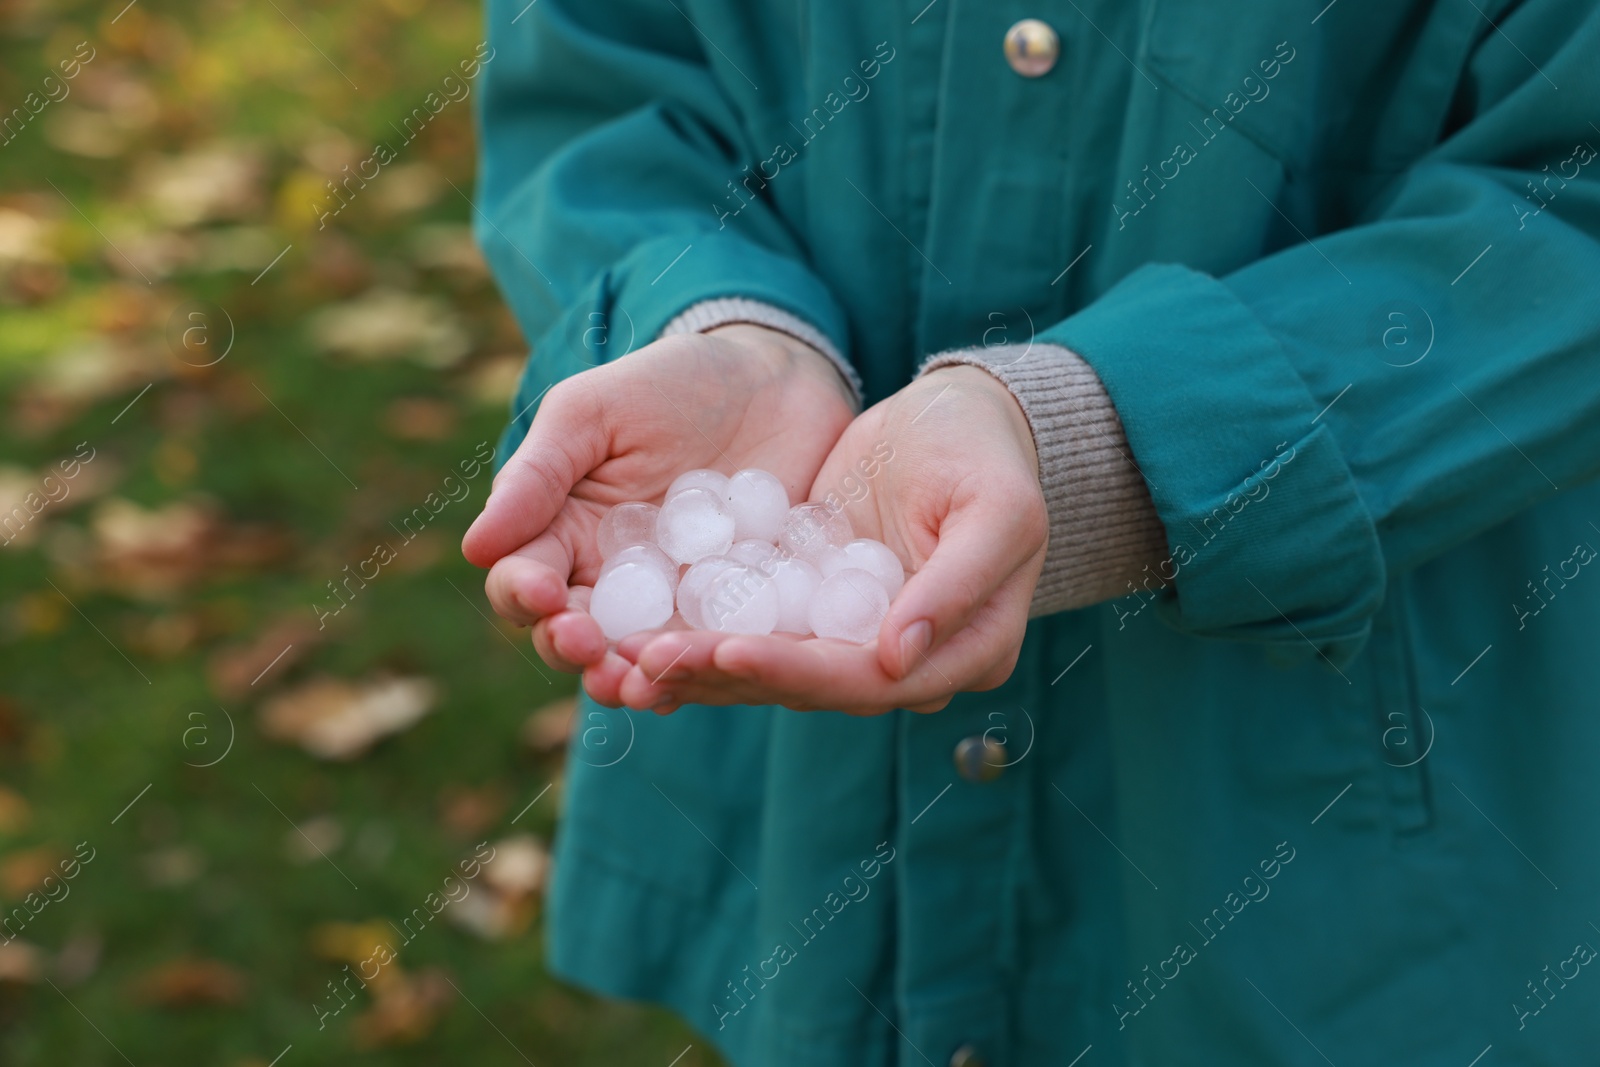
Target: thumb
{"x": 979, "y": 548}
{"x": 566, "y": 441}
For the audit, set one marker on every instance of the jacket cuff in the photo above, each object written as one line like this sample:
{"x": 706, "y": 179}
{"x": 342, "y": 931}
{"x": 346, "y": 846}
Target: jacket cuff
{"x": 725, "y": 311}
{"x": 1105, "y": 534}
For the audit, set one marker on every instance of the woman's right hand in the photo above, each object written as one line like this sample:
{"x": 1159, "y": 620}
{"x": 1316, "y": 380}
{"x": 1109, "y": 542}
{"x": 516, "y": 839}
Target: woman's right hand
{"x": 735, "y": 397}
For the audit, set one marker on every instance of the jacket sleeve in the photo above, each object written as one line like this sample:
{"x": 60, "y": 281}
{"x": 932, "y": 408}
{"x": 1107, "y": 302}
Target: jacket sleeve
{"x": 1297, "y": 452}
{"x": 607, "y": 136}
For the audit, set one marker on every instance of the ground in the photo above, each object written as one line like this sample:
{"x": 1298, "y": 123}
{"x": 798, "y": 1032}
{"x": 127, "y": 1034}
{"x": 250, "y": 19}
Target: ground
{"x": 259, "y": 733}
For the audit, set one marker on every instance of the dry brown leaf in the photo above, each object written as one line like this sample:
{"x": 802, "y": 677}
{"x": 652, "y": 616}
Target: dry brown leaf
{"x": 15, "y": 812}
{"x": 317, "y": 838}
{"x": 334, "y": 719}
{"x": 391, "y": 324}
{"x": 214, "y": 182}
{"x": 190, "y": 981}
{"x": 24, "y": 872}
{"x": 468, "y": 812}
{"x": 417, "y": 418}
{"x": 549, "y": 728}
{"x": 20, "y": 962}
{"x": 493, "y": 382}
{"x": 507, "y": 895}
{"x": 404, "y": 1011}
{"x": 234, "y": 670}
{"x": 174, "y": 866}
{"x": 154, "y": 553}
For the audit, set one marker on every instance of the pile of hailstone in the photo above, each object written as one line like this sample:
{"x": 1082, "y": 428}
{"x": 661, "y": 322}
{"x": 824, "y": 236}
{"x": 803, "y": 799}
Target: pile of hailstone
{"x": 754, "y": 565}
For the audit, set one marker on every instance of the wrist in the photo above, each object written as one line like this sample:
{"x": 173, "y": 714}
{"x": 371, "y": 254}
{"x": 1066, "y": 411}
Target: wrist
{"x": 979, "y": 381}
{"x": 786, "y": 354}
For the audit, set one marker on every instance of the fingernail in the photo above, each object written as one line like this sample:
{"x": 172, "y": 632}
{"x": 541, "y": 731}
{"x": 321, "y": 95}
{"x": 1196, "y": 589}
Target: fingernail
{"x": 914, "y": 642}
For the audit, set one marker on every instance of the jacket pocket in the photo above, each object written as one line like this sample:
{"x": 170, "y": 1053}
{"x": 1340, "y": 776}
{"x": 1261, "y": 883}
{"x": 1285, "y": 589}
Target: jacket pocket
{"x": 1405, "y": 729}
{"x": 1242, "y": 71}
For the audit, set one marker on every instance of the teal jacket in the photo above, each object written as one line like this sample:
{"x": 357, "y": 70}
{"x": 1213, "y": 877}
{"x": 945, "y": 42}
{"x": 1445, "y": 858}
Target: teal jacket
{"x": 1331, "y": 794}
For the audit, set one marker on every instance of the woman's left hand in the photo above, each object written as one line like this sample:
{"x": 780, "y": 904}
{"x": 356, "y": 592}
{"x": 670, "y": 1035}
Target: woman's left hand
{"x": 959, "y": 502}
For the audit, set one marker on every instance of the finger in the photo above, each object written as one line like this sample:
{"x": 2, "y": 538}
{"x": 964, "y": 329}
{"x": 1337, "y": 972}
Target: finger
{"x": 603, "y": 680}
{"x": 566, "y": 441}
{"x": 570, "y": 640}
{"x": 638, "y": 691}
{"x": 676, "y": 657}
{"x": 979, "y": 548}
{"x": 531, "y": 582}
{"x": 813, "y": 674}
{"x": 663, "y": 661}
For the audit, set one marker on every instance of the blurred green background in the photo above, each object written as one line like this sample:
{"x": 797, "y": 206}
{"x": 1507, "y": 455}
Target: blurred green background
{"x": 218, "y": 792}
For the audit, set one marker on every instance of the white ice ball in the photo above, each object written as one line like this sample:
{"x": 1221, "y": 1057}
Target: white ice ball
{"x": 694, "y": 523}
{"x": 632, "y": 523}
{"x": 740, "y": 600}
{"x": 630, "y": 597}
{"x": 850, "y": 606}
{"x": 699, "y": 479}
{"x": 758, "y": 554}
{"x": 759, "y": 503}
{"x": 647, "y": 554}
{"x": 811, "y": 528}
{"x": 693, "y": 588}
{"x": 874, "y": 557}
{"x": 797, "y": 582}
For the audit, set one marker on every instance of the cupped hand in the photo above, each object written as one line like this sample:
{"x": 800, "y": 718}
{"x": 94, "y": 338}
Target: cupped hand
{"x": 959, "y": 501}
{"x": 735, "y": 397}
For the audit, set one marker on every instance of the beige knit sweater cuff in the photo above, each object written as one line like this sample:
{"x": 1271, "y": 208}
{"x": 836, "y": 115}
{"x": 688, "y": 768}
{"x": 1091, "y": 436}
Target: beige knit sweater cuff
{"x": 1104, "y": 529}
{"x": 725, "y": 311}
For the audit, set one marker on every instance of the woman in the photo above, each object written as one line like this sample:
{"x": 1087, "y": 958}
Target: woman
{"x": 1230, "y": 387}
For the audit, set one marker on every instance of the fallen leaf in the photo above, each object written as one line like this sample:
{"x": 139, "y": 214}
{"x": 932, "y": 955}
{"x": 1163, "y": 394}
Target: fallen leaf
{"x": 391, "y": 324}
{"x": 407, "y": 187}
{"x": 232, "y": 671}
{"x": 549, "y": 728}
{"x": 468, "y": 812}
{"x": 24, "y": 872}
{"x": 191, "y": 981}
{"x": 503, "y": 903}
{"x": 519, "y": 865}
{"x": 213, "y": 182}
{"x": 418, "y": 418}
{"x": 86, "y": 132}
{"x": 351, "y": 943}
{"x": 333, "y": 719}
{"x": 154, "y": 553}
{"x": 448, "y": 247}
{"x": 79, "y": 958}
{"x": 317, "y": 838}
{"x": 25, "y": 239}
{"x": 174, "y": 866}
{"x": 493, "y": 382}
{"x": 405, "y": 1011}
{"x": 15, "y": 812}
{"x": 20, "y": 962}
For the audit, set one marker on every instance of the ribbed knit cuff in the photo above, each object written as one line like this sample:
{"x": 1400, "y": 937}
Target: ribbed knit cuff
{"x": 1104, "y": 530}
{"x": 725, "y": 311}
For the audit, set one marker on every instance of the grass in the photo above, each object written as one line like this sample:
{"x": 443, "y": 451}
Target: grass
{"x": 199, "y": 930}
